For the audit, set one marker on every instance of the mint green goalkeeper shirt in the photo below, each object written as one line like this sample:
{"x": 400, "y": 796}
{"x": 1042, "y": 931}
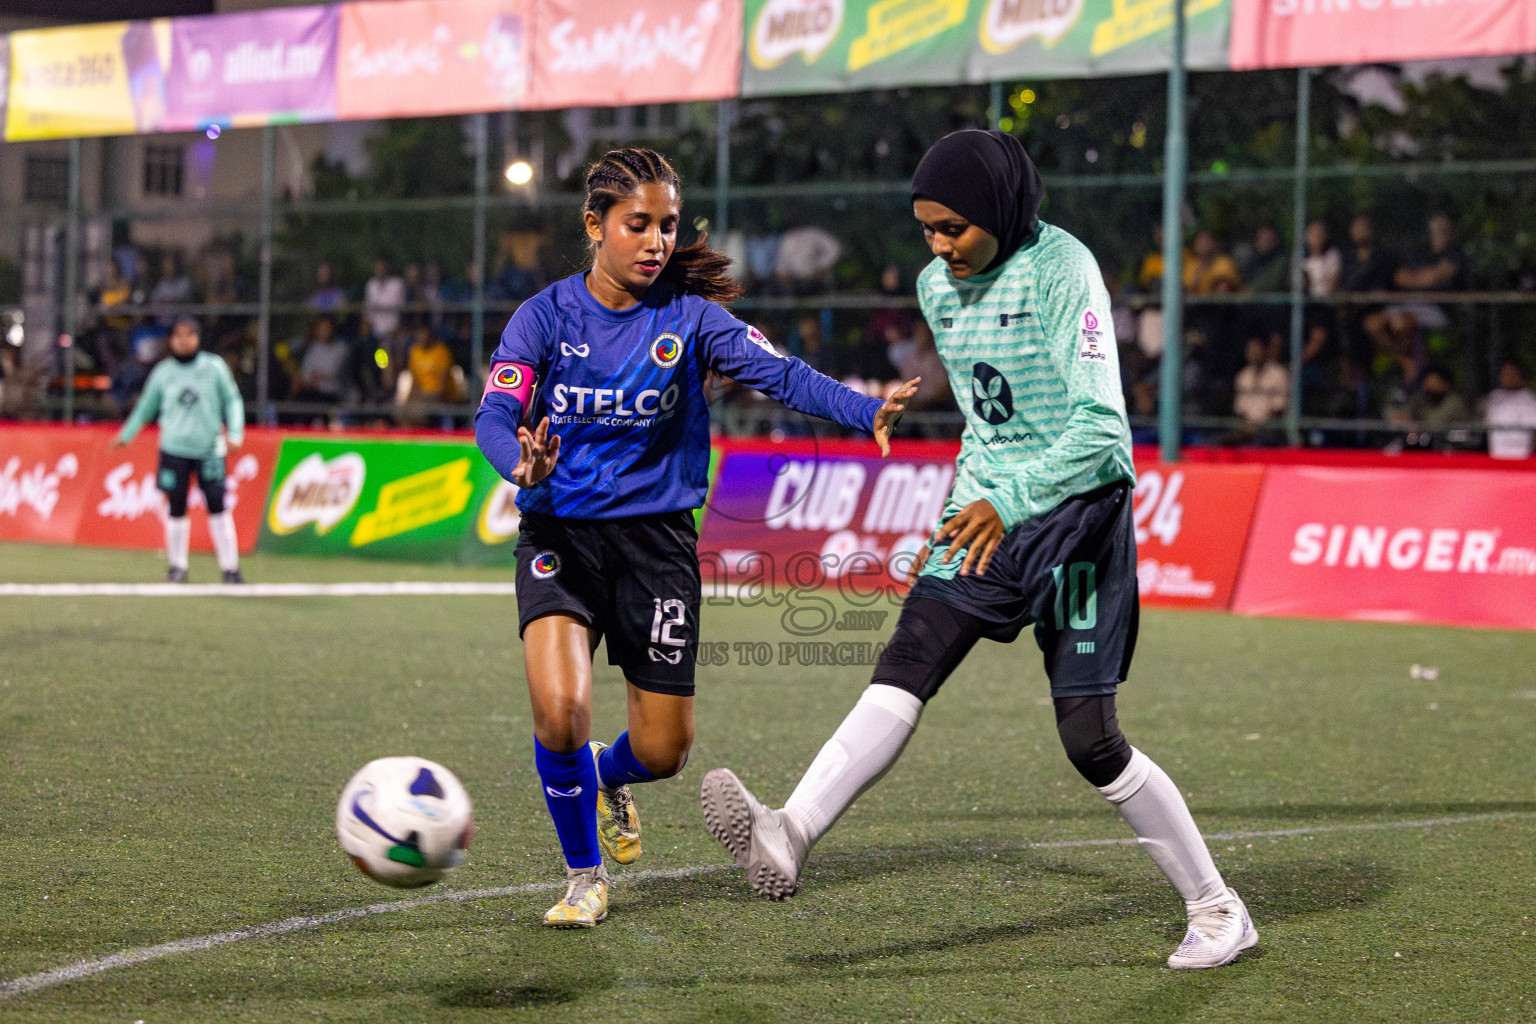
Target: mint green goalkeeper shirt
{"x": 1030, "y": 352}
{"x": 192, "y": 401}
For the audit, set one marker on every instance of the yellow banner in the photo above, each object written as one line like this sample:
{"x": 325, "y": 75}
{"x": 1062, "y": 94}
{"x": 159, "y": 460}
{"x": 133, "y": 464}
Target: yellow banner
{"x": 894, "y": 25}
{"x": 69, "y": 82}
{"x": 414, "y": 501}
{"x": 1134, "y": 20}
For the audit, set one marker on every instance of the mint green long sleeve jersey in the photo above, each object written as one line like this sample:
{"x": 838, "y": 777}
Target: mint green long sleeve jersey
{"x": 192, "y": 400}
{"x": 1030, "y": 352}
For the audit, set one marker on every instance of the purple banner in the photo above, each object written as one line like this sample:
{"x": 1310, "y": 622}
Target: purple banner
{"x": 263, "y": 67}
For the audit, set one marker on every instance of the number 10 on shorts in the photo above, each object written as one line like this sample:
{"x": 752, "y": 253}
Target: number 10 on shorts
{"x": 1077, "y": 599}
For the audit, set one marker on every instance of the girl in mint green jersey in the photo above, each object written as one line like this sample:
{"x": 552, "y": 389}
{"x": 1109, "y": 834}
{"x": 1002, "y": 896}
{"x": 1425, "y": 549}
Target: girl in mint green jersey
{"x": 194, "y": 397}
{"x": 1037, "y": 531}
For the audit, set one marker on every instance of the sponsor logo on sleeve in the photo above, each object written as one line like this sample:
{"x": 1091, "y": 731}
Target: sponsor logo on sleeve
{"x": 1093, "y": 345}
{"x": 667, "y": 350}
{"x": 760, "y": 339}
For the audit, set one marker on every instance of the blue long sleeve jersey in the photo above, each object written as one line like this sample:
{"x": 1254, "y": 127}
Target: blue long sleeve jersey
{"x": 624, "y": 390}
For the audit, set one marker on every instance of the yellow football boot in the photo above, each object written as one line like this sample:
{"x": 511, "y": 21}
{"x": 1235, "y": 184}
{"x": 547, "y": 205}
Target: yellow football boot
{"x": 618, "y": 823}
{"x": 585, "y": 902}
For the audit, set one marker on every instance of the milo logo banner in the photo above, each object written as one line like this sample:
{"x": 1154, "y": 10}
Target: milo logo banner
{"x": 805, "y": 46}
{"x": 389, "y": 499}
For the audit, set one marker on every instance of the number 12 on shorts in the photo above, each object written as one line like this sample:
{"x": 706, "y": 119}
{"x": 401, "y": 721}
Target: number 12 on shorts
{"x": 669, "y": 613}
{"x": 1077, "y": 598}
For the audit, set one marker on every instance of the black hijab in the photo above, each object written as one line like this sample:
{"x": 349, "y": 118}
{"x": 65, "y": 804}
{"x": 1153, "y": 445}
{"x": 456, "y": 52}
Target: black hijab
{"x": 987, "y": 178}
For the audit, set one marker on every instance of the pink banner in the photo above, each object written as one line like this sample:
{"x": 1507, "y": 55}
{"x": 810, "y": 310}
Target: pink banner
{"x": 417, "y": 58}
{"x": 605, "y": 55}
{"x": 256, "y": 68}
{"x": 1315, "y": 33}
{"x": 1390, "y": 545}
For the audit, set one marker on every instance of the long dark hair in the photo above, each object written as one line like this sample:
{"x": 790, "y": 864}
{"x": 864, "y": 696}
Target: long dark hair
{"x": 695, "y": 268}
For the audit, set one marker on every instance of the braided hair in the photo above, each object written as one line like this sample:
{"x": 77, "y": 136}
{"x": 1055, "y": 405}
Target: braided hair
{"x": 696, "y": 268}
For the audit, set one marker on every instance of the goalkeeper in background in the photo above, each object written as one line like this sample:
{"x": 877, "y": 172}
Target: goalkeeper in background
{"x": 194, "y": 398}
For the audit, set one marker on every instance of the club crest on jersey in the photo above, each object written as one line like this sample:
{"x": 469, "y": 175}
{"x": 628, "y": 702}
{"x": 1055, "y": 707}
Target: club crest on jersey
{"x": 509, "y": 377}
{"x": 667, "y": 350}
{"x": 991, "y": 396}
{"x": 545, "y": 564}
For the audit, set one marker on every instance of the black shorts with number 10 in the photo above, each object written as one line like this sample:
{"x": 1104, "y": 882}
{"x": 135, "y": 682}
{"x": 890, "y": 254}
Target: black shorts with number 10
{"x": 1071, "y": 572}
{"x": 634, "y": 580}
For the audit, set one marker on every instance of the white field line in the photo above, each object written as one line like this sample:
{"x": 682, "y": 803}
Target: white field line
{"x": 128, "y": 958}
{"x": 404, "y": 588}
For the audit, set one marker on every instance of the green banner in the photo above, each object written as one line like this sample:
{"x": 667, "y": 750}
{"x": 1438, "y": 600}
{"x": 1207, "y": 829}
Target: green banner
{"x": 808, "y": 46}
{"x": 431, "y": 501}
{"x": 417, "y": 500}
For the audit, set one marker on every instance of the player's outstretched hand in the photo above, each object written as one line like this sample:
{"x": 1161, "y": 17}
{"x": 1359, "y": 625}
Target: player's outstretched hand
{"x": 977, "y": 528}
{"x": 541, "y": 450}
{"x": 890, "y": 414}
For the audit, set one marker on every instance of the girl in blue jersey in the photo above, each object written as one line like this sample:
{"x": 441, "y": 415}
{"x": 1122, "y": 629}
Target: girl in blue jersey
{"x": 611, "y": 363}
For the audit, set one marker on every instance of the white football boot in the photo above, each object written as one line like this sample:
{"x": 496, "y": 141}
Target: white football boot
{"x": 1219, "y": 930}
{"x": 765, "y": 842}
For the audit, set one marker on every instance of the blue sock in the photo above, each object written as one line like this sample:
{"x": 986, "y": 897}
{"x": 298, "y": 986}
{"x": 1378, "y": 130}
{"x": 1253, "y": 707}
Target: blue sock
{"x": 617, "y": 766}
{"x": 570, "y": 790}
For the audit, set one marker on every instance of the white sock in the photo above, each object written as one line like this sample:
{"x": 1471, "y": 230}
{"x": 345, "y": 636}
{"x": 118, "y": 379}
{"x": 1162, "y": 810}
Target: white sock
{"x": 862, "y": 749}
{"x": 225, "y": 543}
{"x": 1151, "y": 804}
{"x": 178, "y": 537}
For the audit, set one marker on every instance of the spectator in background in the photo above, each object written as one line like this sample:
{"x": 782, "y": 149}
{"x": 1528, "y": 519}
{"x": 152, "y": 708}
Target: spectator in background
{"x": 432, "y": 294}
{"x": 1323, "y": 264}
{"x": 1149, "y": 276}
{"x": 1439, "y": 267}
{"x": 429, "y": 378}
{"x": 174, "y": 288}
{"x": 921, "y": 359}
{"x": 461, "y": 290}
{"x": 806, "y": 256}
{"x": 383, "y": 299}
{"x": 1364, "y": 267}
{"x": 1263, "y": 267}
{"x": 129, "y": 377}
{"x": 328, "y": 296}
{"x": 322, "y": 373}
{"x": 1262, "y": 390}
{"x": 1434, "y": 406}
{"x": 811, "y": 347}
{"x": 1211, "y": 271}
{"x": 887, "y": 327}
{"x": 414, "y": 295}
{"x": 1509, "y": 412}
{"x": 222, "y": 285}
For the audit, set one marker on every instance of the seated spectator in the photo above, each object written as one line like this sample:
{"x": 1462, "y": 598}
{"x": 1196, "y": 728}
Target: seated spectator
{"x": 328, "y": 296}
{"x": 322, "y": 372}
{"x": 1433, "y": 406}
{"x": 809, "y": 345}
{"x": 1323, "y": 264}
{"x": 429, "y": 377}
{"x": 1262, "y": 390}
{"x": 128, "y": 379}
{"x": 173, "y": 288}
{"x": 804, "y": 262}
{"x": 1149, "y": 276}
{"x": 1211, "y": 271}
{"x": 1264, "y": 267}
{"x": 462, "y": 290}
{"x": 1439, "y": 267}
{"x": 1363, "y": 266}
{"x": 383, "y": 298}
{"x": 886, "y": 328}
{"x": 1510, "y": 414}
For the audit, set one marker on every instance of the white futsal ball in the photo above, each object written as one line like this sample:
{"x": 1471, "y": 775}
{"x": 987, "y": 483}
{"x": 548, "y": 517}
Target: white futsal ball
{"x": 404, "y": 821}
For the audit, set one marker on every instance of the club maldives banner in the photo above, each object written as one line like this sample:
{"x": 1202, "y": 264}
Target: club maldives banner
{"x": 72, "y": 486}
{"x": 596, "y": 54}
{"x": 805, "y": 46}
{"x": 796, "y": 514}
{"x": 1451, "y": 546}
{"x": 424, "y": 57}
{"x": 421, "y": 500}
{"x": 1307, "y": 33}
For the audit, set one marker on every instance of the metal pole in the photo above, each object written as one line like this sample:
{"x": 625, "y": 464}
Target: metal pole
{"x": 477, "y": 298}
{"x": 71, "y": 280}
{"x": 264, "y": 298}
{"x": 995, "y": 106}
{"x": 725, "y": 115}
{"x": 1299, "y": 248}
{"x": 1175, "y": 170}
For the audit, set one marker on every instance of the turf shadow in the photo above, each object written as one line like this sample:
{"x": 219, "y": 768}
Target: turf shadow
{"x": 480, "y": 993}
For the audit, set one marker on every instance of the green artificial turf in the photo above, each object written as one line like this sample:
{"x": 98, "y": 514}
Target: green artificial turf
{"x": 169, "y": 769}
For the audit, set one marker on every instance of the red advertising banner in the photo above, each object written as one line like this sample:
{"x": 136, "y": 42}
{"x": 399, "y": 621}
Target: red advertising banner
{"x": 124, "y": 509}
{"x": 665, "y": 51}
{"x": 417, "y": 58}
{"x": 44, "y": 482}
{"x": 1387, "y": 545}
{"x": 1311, "y": 33}
{"x": 1191, "y": 527}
